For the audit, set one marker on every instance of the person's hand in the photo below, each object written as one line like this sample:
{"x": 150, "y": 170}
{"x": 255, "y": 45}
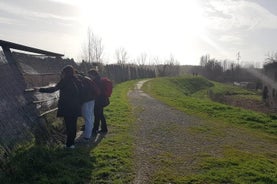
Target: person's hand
{"x": 29, "y": 90}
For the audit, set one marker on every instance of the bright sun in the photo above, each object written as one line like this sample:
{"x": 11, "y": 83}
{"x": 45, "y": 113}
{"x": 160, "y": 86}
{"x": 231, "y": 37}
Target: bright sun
{"x": 162, "y": 26}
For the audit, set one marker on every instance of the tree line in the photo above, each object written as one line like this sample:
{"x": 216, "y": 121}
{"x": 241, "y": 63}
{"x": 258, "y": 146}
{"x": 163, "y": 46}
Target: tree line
{"x": 225, "y": 70}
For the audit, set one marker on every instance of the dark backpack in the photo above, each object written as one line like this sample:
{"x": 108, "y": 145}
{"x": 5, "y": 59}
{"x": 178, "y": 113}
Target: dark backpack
{"x": 88, "y": 89}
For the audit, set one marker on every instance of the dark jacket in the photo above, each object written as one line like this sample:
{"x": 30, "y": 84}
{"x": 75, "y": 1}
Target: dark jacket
{"x": 69, "y": 103}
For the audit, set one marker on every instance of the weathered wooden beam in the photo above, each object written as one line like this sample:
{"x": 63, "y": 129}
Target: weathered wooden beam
{"x": 11, "y": 45}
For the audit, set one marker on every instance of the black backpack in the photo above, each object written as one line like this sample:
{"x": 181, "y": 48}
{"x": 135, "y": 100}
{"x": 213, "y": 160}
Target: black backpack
{"x": 88, "y": 90}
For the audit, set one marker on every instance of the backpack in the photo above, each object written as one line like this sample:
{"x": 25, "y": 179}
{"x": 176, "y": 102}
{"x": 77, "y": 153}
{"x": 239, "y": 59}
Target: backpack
{"x": 107, "y": 86}
{"x": 88, "y": 89}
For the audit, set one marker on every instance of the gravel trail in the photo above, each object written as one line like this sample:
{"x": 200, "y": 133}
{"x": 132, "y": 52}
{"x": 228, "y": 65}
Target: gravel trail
{"x": 167, "y": 137}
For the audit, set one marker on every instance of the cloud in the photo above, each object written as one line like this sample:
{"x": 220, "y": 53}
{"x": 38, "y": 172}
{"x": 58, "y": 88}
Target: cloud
{"x": 24, "y": 12}
{"x": 37, "y": 16}
{"x": 230, "y": 38}
{"x": 7, "y": 21}
{"x": 238, "y": 15}
{"x": 68, "y": 2}
{"x": 34, "y": 15}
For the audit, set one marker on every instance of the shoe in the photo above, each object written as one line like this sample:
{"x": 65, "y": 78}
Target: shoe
{"x": 83, "y": 140}
{"x": 70, "y": 147}
{"x": 103, "y": 131}
{"x": 86, "y": 140}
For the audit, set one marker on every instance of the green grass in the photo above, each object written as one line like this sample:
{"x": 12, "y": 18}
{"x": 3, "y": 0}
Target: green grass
{"x": 225, "y": 89}
{"x": 234, "y": 167}
{"x": 237, "y": 167}
{"x": 189, "y": 94}
{"x": 110, "y": 161}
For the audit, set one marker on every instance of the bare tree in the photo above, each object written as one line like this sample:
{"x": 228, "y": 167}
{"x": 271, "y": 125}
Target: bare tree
{"x": 98, "y": 50}
{"x": 238, "y": 58}
{"x": 93, "y": 48}
{"x": 141, "y": 60}
{"x": 271, "y": 57}
{"x": 172, "y": 66}
{"x": 156, "y": 61}
{"x": 121, "y": 56}
{"x": 204, "y": 59}
{"x": 225, "y": 64}
{"x": 169, "y": 67}
{"x": 172, "y": 61}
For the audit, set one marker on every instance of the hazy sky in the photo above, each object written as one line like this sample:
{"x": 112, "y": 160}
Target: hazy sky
{"x": 186, "y": 29}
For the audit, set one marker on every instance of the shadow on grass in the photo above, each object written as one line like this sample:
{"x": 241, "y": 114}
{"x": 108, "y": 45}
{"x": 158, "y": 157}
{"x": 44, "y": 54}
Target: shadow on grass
{"x": 51, "y": 164}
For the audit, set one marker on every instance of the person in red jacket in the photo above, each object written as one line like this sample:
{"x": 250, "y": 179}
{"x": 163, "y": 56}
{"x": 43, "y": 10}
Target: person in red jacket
{"x": 69, "y": 103}
{"x": 100, "y": 103}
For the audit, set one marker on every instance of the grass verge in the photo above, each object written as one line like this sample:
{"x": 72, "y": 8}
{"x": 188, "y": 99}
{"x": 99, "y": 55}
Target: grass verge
{"x": 234, "y": 167}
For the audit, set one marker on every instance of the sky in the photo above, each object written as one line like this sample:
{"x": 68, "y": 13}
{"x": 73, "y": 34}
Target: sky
{"x": 183, "y": 29}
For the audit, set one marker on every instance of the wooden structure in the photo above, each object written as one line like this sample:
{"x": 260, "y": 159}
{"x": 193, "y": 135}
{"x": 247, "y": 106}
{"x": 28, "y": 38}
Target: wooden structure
{"x": 20, "y": 119}
{"x": 6, "y": 46}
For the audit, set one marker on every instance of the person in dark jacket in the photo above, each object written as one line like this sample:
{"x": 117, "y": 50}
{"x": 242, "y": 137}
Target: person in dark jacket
{"x": 88, "y": 95}
{"x": 69, "y": 103}
{"x": 100, "y": 101}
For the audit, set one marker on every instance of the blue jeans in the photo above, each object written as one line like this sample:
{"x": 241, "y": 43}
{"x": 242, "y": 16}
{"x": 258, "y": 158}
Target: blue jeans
{"x": 88, "y": 115}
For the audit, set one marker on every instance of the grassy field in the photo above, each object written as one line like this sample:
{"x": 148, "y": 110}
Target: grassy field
{"x": 190, "y": 94}
{"x": 108, "y": 162}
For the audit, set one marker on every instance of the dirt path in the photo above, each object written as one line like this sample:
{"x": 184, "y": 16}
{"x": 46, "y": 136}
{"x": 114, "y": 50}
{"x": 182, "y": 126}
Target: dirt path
{"x": 167, "y": 137}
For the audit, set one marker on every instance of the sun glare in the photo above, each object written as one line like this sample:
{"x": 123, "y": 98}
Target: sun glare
{"x": 143, "y": 25}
